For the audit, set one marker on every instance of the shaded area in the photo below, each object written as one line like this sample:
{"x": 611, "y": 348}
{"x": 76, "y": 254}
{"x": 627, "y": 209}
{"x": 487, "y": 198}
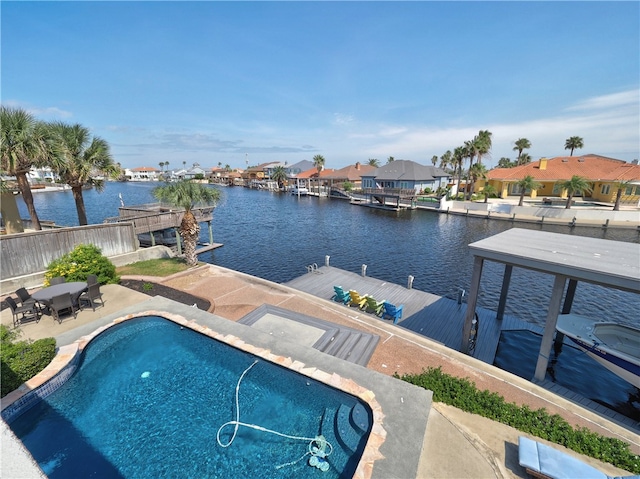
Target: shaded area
{"x": 157, "y": 289}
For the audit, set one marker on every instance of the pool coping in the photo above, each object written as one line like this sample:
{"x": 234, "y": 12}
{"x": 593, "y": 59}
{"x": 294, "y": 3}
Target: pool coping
{"x": 396, "y": 440}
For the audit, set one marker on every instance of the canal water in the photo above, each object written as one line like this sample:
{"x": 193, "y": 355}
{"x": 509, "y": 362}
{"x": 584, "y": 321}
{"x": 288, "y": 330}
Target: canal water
{"x": 275, "y": 236}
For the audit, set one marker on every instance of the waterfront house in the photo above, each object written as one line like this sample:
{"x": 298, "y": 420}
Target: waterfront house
{"x": 352, "y": 174}
{"x": 604, "y": 174}
{"x": 406, "y": 175}
{"x": 142, "y": 173}
{"x": 256, "y": 173}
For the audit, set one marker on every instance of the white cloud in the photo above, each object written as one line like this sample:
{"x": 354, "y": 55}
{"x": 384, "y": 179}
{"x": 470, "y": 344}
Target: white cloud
{"x": 41, "y": 113}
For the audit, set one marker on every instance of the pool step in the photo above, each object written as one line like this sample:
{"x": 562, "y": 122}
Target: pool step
{"x": 349, "y": 345}
{"x": 346, "y": 433}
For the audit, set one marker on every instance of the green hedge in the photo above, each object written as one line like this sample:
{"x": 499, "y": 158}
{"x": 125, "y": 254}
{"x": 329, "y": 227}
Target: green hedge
{"x": 463, "y": 394}
{"x": 22, "y": 360}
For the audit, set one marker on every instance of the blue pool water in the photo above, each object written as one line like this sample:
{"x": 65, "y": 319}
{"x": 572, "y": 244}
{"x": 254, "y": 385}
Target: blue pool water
{"x": 149, "y": 398}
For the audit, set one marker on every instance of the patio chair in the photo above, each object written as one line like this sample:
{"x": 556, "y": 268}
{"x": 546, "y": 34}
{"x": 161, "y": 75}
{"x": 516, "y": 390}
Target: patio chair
{"x": 61, "y": 303}
{"x": 546, "y": 462}
{"x": 341, "y": 295}
{"x": 374, "y": 306}
{"x": 25, "y": 297}
{"x": 392, "y": 311}
{"x": 356, "y": 299}
{"x": 24, "y": 312}
{"x": 57, "y": 280}
{"x": 92, "y": 279}
{"x": 91, "y": 295}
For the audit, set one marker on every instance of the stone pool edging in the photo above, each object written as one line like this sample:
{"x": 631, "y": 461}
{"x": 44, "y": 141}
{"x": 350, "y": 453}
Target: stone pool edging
{"x": 67, "y": 357}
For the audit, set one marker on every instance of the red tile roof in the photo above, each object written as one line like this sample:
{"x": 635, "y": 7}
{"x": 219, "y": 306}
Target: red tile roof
{"x": 351, "y": 172}
{"x": 144, "y": 168}
{"x": 560, "y": 168}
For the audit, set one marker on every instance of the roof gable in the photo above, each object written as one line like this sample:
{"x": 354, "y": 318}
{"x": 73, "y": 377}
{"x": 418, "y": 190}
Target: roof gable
{"x": 406, "y": 170}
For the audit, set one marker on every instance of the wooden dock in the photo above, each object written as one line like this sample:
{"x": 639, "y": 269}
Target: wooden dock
{"x": 435, "y": 317}
{"x": 440, "y": 319}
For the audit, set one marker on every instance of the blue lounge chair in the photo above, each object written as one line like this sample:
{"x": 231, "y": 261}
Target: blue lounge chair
{"x": 541, "y": 460}
{"x": 341, "y": 295}
{"x": 392, "y": 311}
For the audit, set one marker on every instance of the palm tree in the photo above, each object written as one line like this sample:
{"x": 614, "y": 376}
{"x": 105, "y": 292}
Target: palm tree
{"x": 476, "y": 172}
{"x": 576, "y": 185}
{"x": 445, "y": 160}
{"x": 620, "y": 187}
{"x": 575, "y": 142}
{"x": 279, "y": 175}
{"x": 373, "y": 162}
{"x": 483, "y": 142}
{"x": 78, "y": 159}
{"x": 390, "y": 159}
{"x": 470, "y": 151}
{"x": 527, "y": 183}
{"x": 456, "y": 162}
{"x": 434, "y": 160}
{"x": 318, "y": 162}
{"x": 22, "y": 145}
{"x": 505, "y": 163}
{"x": 489, "y": 190}
{"x": 187, "y": 195}
{"x": 161, "y": 166}
{"x": 521, "y": 144}
{"x": 525, "y": 158}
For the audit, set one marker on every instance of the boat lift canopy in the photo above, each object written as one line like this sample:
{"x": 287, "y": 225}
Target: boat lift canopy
{"x": 607, "y": 263}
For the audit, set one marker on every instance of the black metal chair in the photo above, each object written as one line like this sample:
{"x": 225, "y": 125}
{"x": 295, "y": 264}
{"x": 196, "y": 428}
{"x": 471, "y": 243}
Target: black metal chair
{"x": 91, "y": 295}
{"x": 25, "y": 297}
{"x": 61, "y": 303}
{"x": 92, "y": 279}
{"x": 24, "y": 312}
{"x": 57, "y": 280}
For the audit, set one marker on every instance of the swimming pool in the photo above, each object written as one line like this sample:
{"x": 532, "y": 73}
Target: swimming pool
{"x": 149, "y": 399}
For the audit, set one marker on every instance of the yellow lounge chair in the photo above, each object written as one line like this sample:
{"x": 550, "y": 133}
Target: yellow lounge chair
{"x": 357, "y": 300}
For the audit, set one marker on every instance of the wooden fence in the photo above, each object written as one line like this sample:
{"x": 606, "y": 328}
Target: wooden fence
{"x": 28, "y": 253}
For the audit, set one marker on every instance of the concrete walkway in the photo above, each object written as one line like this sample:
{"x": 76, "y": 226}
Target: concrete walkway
{"x": 456, "y": 445}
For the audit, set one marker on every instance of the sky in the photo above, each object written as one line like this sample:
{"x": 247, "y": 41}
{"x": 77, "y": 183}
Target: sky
{"x": 244, "y": 83}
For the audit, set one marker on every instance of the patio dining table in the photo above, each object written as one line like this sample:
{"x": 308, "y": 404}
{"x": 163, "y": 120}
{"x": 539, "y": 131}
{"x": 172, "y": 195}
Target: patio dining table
{"x": 46, "y": 295}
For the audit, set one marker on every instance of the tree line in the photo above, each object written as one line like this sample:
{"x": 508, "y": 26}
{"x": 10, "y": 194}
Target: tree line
{"x": 77, "y": 157}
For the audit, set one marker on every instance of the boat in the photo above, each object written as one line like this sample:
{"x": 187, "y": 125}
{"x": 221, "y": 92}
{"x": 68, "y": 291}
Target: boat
{"x": 615, "y": 346}
{"x": 299, "y": 190}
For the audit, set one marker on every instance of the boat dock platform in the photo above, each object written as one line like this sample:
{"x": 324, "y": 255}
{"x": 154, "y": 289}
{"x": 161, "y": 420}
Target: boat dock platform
{"x": 439, "y": 319}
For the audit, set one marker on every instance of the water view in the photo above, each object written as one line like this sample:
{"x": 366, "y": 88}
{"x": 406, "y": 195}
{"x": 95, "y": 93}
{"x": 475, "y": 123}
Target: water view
{"x": 275, "y": 236}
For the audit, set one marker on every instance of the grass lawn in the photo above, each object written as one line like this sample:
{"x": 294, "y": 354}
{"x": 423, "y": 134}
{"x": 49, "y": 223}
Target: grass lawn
{"x": 154, "y": 267}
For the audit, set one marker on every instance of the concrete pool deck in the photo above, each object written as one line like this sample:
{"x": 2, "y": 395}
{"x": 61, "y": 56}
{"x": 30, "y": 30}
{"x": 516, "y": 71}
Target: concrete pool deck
{"x": 456, "y": 444}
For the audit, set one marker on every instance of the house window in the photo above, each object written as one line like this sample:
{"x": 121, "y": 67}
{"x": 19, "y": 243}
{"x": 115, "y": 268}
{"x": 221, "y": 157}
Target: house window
{"x": 556, "y": 189}
{"x": 605, "y": 189}
{"x": 629, "y": 190}
{"x": 404, "y": 185}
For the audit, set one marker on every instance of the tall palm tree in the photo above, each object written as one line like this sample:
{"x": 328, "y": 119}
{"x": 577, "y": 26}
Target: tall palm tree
{"x": 483, "y": 142}
{"x": 187, "y": 195}
{"x": 161, "y": 166}
{"x": 521, "y": 145}
{"x": 620, "y": 187}
{"x": 573, "y": 143}
{"x": 457, "y": 161}
{"x": 22, "y": 145}
{"x": 79, "y": 159}
{"x": 470, "y": 151}
{"x": 445, "y": 160}
{"x": 390, "y": 159}
{"x": 373, "y": 162}
{"x": 527, "y": 183}
{"x": 434, "y": 160}
{"x": 576, "y": 185}
{"x": 279, "y": 175}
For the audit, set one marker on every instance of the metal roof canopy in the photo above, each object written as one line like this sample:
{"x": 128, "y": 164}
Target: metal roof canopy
{"x": 608, "y": 263}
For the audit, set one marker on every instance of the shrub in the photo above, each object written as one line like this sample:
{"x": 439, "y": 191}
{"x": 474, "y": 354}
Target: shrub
{"x": 463, "y": 394}
{"x": 22, "y": 360}
{"x": 85, "y": 259}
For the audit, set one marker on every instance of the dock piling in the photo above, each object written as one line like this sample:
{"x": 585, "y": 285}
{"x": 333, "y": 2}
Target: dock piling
{"x": 364, "y": 270}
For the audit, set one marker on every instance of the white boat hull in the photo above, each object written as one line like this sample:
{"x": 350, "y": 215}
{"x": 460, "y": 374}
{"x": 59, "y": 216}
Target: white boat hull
{"x": 615, "y": 346}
